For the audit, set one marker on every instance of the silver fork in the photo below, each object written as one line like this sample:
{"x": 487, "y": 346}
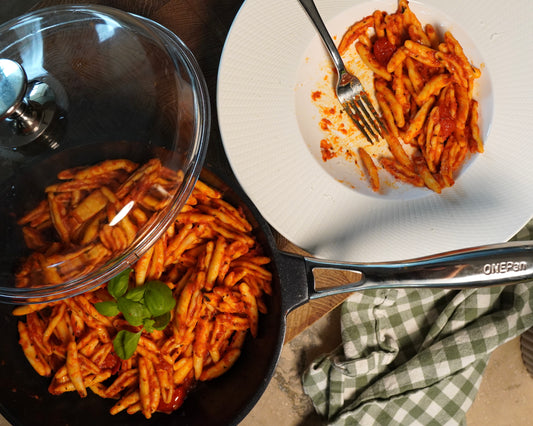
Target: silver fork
{"x": 349, "y": 90}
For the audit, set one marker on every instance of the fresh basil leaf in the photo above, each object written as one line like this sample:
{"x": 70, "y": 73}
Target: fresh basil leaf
{"x": 107, "y": 308}
{"x": 149, "y": 324}
{"x": 125, "y": 343}
{"x": 158, "y": 298}
{"x": 118, "y": 285}
{"x": 161, "y": 321}
{"x": 136, "y": 293}
{"x": 134, "y": 312}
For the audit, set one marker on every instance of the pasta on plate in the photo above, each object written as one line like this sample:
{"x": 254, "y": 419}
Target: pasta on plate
{"x": 424, "y": 86}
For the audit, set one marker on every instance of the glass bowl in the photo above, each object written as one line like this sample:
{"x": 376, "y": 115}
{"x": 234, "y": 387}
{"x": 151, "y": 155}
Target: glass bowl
{"x": 104, "y": 127}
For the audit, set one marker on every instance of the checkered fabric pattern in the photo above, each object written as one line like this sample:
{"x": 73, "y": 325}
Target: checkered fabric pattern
{"x": 415, "y": 357}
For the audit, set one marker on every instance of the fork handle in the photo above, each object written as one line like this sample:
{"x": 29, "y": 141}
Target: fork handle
{"x": 312, "y": 12}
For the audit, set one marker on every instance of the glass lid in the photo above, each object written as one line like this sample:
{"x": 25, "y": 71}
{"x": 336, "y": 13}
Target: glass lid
{"x": 104, "y": 121}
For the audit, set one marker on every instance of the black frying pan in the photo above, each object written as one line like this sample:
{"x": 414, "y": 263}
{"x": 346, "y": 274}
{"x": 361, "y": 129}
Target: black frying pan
{"x": 24, "y": 399}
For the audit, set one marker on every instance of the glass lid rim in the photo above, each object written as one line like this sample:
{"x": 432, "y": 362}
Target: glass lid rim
{"x": 199, "y": 143}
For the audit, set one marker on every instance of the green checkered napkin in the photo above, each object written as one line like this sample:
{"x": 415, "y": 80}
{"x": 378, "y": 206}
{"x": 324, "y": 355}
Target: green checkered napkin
{"x": 415, "y": 357}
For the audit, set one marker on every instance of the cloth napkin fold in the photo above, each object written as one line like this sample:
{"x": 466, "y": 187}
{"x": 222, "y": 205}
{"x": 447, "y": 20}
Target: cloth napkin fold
{"x": 415, "y": 357}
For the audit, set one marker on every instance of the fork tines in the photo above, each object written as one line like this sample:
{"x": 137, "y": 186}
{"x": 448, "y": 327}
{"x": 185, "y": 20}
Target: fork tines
{"x": 365, "y": 117}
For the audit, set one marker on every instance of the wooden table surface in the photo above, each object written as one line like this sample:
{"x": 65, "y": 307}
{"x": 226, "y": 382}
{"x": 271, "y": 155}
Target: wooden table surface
{"x": 203, "y": 26}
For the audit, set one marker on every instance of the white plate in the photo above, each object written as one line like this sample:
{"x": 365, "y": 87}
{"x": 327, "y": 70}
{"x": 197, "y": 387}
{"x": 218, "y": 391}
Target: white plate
{"x": 271, "y": 62}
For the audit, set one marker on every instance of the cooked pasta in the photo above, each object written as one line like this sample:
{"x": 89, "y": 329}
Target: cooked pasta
{"x": 208, "y": 258}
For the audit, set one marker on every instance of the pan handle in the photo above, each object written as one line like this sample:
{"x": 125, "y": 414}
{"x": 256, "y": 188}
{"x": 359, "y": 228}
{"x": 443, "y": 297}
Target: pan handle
{"x": 491, "y": 265}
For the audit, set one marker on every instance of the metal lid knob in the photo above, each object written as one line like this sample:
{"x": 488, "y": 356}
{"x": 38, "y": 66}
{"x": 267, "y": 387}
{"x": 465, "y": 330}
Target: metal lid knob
{"x": 26, "y": 109}
{"x": 13, "y": 84}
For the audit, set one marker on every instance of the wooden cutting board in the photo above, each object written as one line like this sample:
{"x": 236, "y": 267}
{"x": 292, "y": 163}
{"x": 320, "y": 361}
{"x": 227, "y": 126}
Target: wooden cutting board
{"x": 203, "y": 26}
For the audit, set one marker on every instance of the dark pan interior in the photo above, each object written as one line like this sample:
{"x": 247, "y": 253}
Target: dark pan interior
{"x": 24, "y": 398}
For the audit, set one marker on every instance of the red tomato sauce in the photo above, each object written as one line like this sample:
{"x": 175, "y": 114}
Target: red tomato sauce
{"x": 447, "y": 125}
{"x": 328, "y": 152}
{"x": 383, "y": 50}
{"x": 111, "y": 362}
{"x": 178, "y": 398}
{"x": 316, "y": 95}
{"x": 324, "y": 124}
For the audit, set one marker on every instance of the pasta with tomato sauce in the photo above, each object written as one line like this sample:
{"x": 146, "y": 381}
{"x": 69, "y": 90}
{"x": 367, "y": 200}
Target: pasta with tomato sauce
{"x": 424, "y": 87}
{"x": 208, "y": 261}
